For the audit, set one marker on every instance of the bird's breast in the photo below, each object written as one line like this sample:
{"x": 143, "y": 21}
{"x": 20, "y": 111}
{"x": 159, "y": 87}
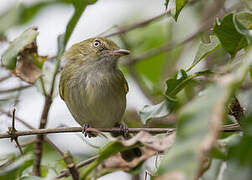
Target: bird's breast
{"x": 97, "y": 97}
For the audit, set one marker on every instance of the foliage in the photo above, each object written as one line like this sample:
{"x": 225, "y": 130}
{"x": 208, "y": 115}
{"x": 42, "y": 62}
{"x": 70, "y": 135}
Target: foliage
{"x": 9, "y": 57}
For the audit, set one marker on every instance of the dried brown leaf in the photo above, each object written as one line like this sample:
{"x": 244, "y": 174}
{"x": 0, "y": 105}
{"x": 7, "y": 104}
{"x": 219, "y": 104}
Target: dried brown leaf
{"x": 152, "y": 142}
{"x": 152, "y": 146}
{"x": 27, "y": 70}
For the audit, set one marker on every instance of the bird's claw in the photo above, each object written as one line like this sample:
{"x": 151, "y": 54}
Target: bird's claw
{"x": 84, "y": 131}
{"x": 124, "y": 131}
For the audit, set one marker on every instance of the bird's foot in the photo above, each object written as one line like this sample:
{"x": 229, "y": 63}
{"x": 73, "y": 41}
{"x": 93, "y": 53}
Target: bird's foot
{"x": 84, "y": 131}
{"x": 124, "y": 131}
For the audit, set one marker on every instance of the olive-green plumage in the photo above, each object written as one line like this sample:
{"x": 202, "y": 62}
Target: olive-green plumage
{"x": 91, "y": 85}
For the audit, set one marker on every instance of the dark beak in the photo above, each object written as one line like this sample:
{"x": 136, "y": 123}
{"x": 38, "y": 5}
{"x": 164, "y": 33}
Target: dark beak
{"x": 121, "y": 52}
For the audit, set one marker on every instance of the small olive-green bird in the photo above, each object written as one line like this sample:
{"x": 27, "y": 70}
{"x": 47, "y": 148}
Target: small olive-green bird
{"x": 92, "y": 86}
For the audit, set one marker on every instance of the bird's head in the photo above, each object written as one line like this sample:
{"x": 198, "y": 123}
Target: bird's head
{"x": 94, "y": 49}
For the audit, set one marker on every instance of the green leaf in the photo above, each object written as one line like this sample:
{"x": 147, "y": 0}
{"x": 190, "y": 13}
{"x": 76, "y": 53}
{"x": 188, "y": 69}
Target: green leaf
{"x": 239, "y": 161}
{"x": 23, "y": 13}
{"x": 155, "y": 111}
{"x": 173, "y": 86}
{"x": 245, "y": 19}
{"x": 231, "y": 40}
{"x": 9, "y": 57}
{"x": 151, "y": 69}
{"x": 199, "y": 124}
{"x": 214, "y": 170}
{"x": 243, "y": 24}
{"x": 17, "y": 167}
{"x": 111, "y": 148}
{"x": 179, "y": 5}
{"x": 166, "y": 4}
{"x": 79, "y": 6}
{"x": 8, "y": 19}
{"x": 204, "y": 50}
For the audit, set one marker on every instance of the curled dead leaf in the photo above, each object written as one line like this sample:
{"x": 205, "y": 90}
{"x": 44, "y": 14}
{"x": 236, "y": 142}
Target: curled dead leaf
{"x": 27, "y": 70}
{"x": 152, "y": 142}
{"x": 152, "y": 146}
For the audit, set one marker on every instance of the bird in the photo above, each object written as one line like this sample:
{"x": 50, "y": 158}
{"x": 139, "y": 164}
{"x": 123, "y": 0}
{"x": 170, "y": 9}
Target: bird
{"x": 93, "y": 87}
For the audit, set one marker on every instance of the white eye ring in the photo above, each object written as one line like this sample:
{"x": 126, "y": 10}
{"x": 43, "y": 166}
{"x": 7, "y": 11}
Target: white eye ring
{"x": 96, "y": 43}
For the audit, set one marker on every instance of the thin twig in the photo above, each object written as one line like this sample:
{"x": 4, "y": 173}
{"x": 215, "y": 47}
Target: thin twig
{"x": 227, "y": 128}
{"x": 133, "y": 73}
{"x": 15, "y": 89}
{"x": 146, "y": 174}
{"x": 12, "y": 132}
{"x": 51, "y": 58}
{"x": 31, "y": 127}
{"x": 167, "y": 47}
{"x": 41, "y": 79}
{"x": 137, "y": 25}
{"x": 43, "y": 120}
{"x": 5, "y": 77}
{"x": 66, "y": 173}
{"x": 171, "y": 45}
{"x": 40, "y": 138}
{"x": 143, "y": 23}
{"x": 68, "y": 158}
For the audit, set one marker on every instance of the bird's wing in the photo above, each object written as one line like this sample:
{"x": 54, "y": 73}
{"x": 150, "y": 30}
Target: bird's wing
{"x": 126, "y": 87}
{"x": 61, "y": 88}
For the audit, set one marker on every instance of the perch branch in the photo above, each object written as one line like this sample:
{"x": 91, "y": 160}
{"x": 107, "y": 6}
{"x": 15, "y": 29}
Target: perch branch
{"x": 31, "y": 127}
{"x": 227, "y": 128}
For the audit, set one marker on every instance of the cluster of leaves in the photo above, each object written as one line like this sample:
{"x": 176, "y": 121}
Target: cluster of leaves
{"x": 201, "y": 110}
{"x": 199, "y": 121}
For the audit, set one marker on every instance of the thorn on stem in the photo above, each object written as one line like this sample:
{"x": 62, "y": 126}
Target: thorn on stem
{"x": 12, "y": 132}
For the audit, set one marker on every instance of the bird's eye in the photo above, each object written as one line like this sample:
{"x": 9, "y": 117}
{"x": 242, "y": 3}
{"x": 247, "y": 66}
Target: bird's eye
{"x": 96, "y": 43}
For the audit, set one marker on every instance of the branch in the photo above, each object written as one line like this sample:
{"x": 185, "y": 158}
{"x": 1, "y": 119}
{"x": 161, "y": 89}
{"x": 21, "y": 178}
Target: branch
{"x": 12, "y": 132}
{"x": 68, "y": 158}
{"x": 43, "y": 120}
{"x": 137, "y": 25}
{"x": 5, "y": 77}
{"x": 167, "y": 47}
{"x": 227, "y": 128}
{"x": 31, "y": 127}
{"x": 15, "y": 89}
{"x": 66, "y": 173}
{"x": 143, "y": 23}
{"x": 40, "y": 138}
{"x": 133, "y": 73}
{"x": 206, "y": 24}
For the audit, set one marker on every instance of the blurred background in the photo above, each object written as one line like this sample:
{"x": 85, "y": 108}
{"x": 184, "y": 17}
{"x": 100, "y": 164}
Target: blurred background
{"x": 146, "y": 78}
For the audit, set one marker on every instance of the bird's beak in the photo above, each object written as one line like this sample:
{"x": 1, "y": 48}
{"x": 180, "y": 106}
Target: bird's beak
{"x": 121, "y": 52}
